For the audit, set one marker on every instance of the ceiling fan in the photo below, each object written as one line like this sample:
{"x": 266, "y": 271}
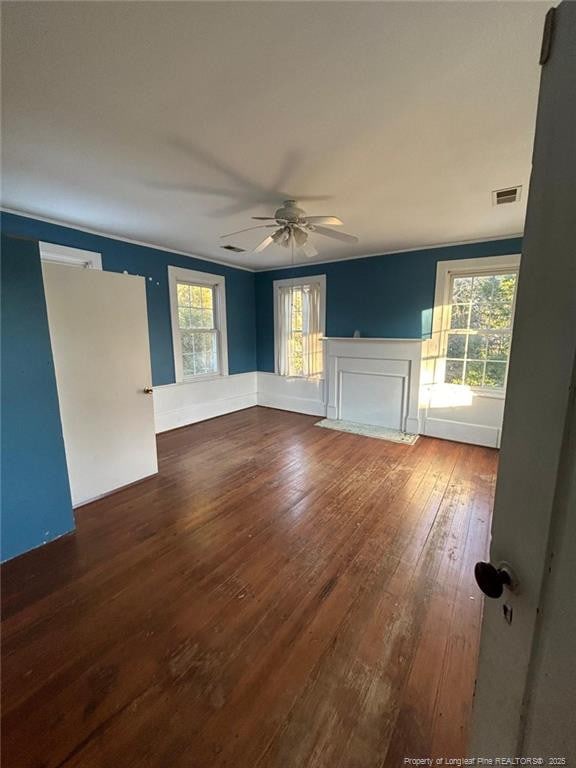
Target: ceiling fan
{"x": 293, "y": 227}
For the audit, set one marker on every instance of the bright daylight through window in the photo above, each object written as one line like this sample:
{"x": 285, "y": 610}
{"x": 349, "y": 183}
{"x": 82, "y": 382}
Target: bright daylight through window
{"x": 480, "y": 331}
{"x": 300, "y": 327}
{"x": 198, "y": 332}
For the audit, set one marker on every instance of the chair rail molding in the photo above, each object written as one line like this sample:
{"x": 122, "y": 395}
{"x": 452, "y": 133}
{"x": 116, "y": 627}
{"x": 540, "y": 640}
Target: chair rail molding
{"x": 374, "y": 381}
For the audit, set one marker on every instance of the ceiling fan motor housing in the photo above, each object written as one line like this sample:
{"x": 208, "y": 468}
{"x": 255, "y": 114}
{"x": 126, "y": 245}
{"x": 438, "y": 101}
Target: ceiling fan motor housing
{"x": 290, "y": 212}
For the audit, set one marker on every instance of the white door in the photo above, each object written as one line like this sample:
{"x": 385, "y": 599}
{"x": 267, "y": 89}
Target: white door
{"x": 99, "y": 333}
{"x": 526, "y": 648}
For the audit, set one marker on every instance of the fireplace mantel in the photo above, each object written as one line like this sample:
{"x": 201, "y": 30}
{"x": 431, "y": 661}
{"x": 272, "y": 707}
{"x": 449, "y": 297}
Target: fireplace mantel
{"x": 374, "y": 381}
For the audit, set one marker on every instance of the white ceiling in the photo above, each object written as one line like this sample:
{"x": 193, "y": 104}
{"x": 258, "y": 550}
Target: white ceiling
{"x": 172, "y": 123}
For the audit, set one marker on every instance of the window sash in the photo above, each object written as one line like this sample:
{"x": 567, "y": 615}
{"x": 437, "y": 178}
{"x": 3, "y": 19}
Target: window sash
{"x": 478, "y": 364}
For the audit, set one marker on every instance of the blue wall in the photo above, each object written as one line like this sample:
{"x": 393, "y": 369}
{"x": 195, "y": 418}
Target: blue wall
{"x": 118, "y": 256}
{"x": 36, "y": 504}
{"x": 381, "y": 296}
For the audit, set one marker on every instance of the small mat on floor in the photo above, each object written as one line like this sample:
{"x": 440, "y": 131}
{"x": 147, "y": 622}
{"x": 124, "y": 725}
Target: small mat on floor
{"x": 368, "y": 430}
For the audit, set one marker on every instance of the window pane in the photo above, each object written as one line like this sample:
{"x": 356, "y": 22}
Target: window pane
{"x": 482, "y": 288}
{"x": 501, "y": 316}
{"x": 204, "y": 318}
{"x": 454, "y": 369}
{"x": 474, "y": 374}
{"x": 476, "y": 346}
{"x": 185, "y": 317}
{"x": 188, "y": 365}
{"x": 499, "y": 347}
{"x": 495, "y": 374}
{"x": 199, "y": 352}
{"x": 461, "y": 290}
{"x": 183, "y": 293}
{"x": 187, "y": 340}
{"x": 196, "y": 293}
{"x": 212, "y": 352}
{"x": 456, "y": 345}
{"x": 503, "y": 299}
{"x": 207, "y": 294}
{"x": 480, "y": 315}
{"x": 459, "y": 316}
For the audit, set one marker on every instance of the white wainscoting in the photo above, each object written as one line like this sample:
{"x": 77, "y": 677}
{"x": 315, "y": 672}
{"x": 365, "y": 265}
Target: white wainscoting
{"x": 176, "y": 405}
{"x": 455, "y": 412}
{"x": 374, "y": 381}
{"x": 288, "y": 394}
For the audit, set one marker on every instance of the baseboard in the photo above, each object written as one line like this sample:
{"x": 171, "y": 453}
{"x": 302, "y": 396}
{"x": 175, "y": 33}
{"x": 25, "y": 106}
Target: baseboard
{"x": 461, "y": 432}
{"x": 295, "y": 404}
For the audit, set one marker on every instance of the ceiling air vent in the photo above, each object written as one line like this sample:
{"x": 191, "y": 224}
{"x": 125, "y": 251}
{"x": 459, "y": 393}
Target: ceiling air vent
{"x": 233, "y": 248}
{"x": 503, "y": 196}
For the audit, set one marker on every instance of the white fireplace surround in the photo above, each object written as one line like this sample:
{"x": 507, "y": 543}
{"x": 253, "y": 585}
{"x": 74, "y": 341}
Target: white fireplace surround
{"x": 374, "y": 381}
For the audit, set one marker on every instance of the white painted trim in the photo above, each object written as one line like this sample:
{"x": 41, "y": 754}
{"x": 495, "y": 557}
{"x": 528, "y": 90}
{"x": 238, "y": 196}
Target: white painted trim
{"x": 230, "y": 265}
{"x": 387, "y": 357}
{"x": 120, "y": 238}
{"x": 377, "y": 339}
{"x": 177, "y": 405}
{"x": 298, "y": 395}
{"x": 432, "y": 349}
{"x": 484, "y": 411}
{"x": 71, "y": 257}
{"x": 306, "y": 280}
{"x": 462, "y": 432}
{"x": 218, "y": 282}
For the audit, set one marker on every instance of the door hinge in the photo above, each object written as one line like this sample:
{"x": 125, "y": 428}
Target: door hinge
{"x": 547, "y": 36}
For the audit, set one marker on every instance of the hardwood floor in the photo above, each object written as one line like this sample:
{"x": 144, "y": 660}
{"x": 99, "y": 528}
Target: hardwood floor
{"x": 278, "y": 596}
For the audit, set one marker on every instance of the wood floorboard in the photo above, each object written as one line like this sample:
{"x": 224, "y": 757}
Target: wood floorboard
{"x": 279, "y": 596}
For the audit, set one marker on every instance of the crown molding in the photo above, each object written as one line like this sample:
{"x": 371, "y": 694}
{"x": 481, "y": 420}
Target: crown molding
{"x": 156, "y": 247}
{"x": 391, "y": 253}
{"x": 130, "y": 241}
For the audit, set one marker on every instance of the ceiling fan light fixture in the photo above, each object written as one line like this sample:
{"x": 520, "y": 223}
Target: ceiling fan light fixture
{"x": 300, "y": 236}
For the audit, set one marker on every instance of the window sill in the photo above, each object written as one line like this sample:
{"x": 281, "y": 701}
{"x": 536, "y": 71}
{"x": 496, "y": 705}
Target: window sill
{"x": 202, "y": 377}
{"x": 499, "y": 394}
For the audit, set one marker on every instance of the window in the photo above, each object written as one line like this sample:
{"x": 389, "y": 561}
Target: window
{"x": 198, "y": 312}
{"x": 479, "y": 328}
{"x": 300, "y": 325}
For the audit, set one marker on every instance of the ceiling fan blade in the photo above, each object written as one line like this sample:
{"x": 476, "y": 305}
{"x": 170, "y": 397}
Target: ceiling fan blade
{"x": 263, "y": 218}
{"x": 260, "y": 226}
{"x": 332, "y": 221}
{"x": 309, "y": 250}
{"x": 343, "y": 236}
{"x": 264, "y": 244}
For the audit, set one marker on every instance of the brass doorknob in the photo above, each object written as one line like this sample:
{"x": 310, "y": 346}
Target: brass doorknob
{"x": 147, "y": 390}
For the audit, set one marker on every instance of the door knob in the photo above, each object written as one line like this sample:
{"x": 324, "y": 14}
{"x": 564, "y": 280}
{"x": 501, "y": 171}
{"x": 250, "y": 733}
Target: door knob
{"x": 492, "y": 580}
{"x": 147, "y": 390}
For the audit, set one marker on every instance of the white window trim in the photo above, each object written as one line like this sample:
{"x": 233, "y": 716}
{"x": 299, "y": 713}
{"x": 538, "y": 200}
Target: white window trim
{"x": 71, "y": 257}
{"x": 218, "y": 282}
{"x": 298, "y": 281}
{"x": 445, "y": 270}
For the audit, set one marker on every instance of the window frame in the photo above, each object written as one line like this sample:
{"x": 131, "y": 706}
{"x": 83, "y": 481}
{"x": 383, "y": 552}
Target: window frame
{"x": 295, "y": 281}
{"x": 218, "y": 284}
{"x": 446, "y": 271}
